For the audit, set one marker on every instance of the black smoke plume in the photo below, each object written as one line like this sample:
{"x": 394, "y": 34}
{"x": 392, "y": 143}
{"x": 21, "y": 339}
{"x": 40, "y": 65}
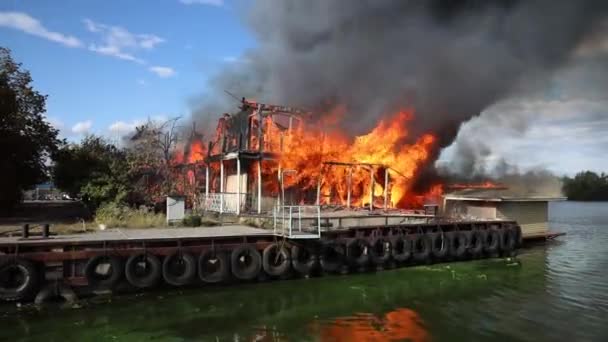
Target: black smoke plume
{"x": 449, "y": 60}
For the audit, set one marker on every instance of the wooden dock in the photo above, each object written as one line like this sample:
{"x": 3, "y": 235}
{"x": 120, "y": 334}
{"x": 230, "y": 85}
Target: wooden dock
{"x": 137, "y": 235}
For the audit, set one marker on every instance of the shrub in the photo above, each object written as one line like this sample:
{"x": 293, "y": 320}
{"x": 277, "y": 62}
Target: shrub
{"x": 114, "y": 214}
{"x": 192, "y": 221}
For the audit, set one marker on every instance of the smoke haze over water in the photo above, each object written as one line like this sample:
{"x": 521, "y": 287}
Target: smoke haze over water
{"x": 450, "y": 60}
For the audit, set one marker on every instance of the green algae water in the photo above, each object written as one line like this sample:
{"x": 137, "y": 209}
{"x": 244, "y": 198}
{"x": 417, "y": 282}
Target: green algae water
{"x": 554, "y": 292}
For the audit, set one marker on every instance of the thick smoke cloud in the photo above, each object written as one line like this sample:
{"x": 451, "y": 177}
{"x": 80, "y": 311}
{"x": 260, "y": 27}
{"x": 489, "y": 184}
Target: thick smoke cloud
{"x": 448, "y": 59}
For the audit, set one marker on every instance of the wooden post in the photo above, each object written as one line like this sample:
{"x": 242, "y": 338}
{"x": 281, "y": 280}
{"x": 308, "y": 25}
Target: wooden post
{"x": 386, "y": 188}
{"x": 350, "y": 184}
{"x": 238, "y": 185}
{"x": 319, "y": 191}
{"x": 221, "y": 186}
{"x": 259, "y": 186}
{"x": 371, "y": 188}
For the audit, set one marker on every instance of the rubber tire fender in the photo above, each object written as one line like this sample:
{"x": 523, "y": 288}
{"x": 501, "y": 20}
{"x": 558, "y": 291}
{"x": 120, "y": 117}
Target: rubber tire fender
{"x": 458, "y": 244}
{"x": 491, "y": 241}
{"x": 153, "y": 270}
{"x": 183, "y": 277}
{"x": 402, "y": 248}
{"x": 421, "y": 247}
{"x": 443, "y": 250}
{"x": 253, "y": 267}
{"x": 31, "y": 275}
{"x": 95, "y": 281}
{"x": 475, "y": 238}
{"x": 57, "y": 290}
{"x": 518, "y": 236}
{"x": 352, "y": 246}
{"x": 269, "y": 256}
{"x": 221, "y": 273}
{"x": 303, "y": 259}
{"x": 507, "y": 240}
{"x": 380, "y": 250}
{"x": 329, "y": 264}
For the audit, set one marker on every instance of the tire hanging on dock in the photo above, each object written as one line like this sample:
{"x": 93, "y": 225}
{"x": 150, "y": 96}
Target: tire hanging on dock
{"x": 143, "y": 270}
{"x": 56, "y": 291}
{"x": 214, "y": 267}
{"x": 518, "y": 236}
{"x": 179, "y": 269}
{"x": 491, "y": 241}
{"x": 475, "y": 238}
{"x": 245, "y": 262}
{"x": 379, "y": 250}
{"x": 402, "y": 248}
{"x": 357, "y": 252}
{"x": 276, "y": 260}
{"x": 507, "y": 241}
{"x": 332, "y": 257}
{"x": 104, "y": 271}
{"x": 19, "y": 279}
{"x": 440, "y": 245}
{"x": 421, "y": 247}
{"x": 303, "y": 259}
{"x": 458, "y": 244}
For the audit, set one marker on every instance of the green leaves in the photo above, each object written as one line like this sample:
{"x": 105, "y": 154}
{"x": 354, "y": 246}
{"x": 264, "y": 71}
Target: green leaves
{"x": 95, "y": 170}
{"x": 586, "y": 186}
{"x": 27, "y": 140}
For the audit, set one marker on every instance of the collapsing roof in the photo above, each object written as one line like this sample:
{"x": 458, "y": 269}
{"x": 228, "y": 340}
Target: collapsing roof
{"x": 498, "y": 195}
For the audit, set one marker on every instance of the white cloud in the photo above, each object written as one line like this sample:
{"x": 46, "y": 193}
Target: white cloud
{"x": 119, "y": 42}
{"x": 82, "y": 127}
{"x": 113, "y": 51}
{"x": 203, "y": 2}
{"x": 163, "y": 72}
{"x": 25, "y": 23}
{"x": 122, "y": 128}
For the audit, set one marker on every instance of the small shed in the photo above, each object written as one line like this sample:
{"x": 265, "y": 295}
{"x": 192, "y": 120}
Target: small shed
{"x": 531, "y": 212}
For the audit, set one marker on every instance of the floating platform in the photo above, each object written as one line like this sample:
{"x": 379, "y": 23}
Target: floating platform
{"x": 300, "y": 243}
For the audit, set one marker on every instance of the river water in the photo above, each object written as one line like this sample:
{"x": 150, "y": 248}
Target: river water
{"x": 556, "y": 292}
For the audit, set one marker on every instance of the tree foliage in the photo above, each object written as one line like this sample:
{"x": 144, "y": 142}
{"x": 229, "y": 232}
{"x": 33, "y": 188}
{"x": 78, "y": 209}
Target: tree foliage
{"x": 27, "y": 140}
{"x": 94, "y": 170}
{"x": 586, "y": 186}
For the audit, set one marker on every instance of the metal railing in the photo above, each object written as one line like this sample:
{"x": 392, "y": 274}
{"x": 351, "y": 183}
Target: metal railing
{"x": 225, "y": 202}
{"x": 287, "y": 221}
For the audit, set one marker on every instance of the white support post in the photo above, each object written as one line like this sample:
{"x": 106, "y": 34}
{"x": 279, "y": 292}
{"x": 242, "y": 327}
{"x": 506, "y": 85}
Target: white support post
{"x": 221, "y": 186}
{"x": 238, "y": 185}
{"x": 206, "y": 186}
{"x": 349, "y": 184}
{"x": 386, "y": 188}
{"x": 371, "y": 189}
{"x": 259, "y": 186}
{"x": 279, "y": 175}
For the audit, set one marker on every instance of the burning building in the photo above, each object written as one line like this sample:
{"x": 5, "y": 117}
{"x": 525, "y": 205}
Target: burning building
{"x": 267, "y": 155}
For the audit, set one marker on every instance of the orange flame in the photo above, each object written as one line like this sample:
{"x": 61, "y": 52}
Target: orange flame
{"x": 305, "y": 149}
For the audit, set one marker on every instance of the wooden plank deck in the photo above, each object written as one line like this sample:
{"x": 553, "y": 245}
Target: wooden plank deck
{"x": 128, "y": 235}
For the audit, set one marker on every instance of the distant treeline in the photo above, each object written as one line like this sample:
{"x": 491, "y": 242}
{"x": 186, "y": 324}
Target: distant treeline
{"x": 586, "y": 186}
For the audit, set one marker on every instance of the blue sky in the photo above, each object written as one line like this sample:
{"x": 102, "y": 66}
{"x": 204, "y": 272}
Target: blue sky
{"x": 109, "y": 64}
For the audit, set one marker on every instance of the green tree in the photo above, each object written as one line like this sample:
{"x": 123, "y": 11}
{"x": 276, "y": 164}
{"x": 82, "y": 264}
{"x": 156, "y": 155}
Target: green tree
{"x": 586, "y": 186}
{"x": 94, "y": 170}
{"x": 27, "y": 140}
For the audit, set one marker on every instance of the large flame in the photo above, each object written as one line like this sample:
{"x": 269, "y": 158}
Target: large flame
{"x": 322, "y": 155}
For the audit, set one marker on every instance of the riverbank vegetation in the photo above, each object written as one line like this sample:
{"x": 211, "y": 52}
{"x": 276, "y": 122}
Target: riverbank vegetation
{"x": 586, "y": 186}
